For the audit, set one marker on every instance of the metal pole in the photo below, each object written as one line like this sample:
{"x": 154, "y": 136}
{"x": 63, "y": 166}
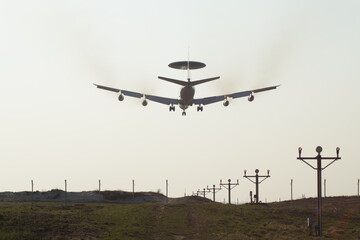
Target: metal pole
{"x": 319, "y": 200}
{"x": 251, "y": 197}
{"x": 324, "y": 188}
{"x": 99, "y": 185}
{"x": 257, "y": 182}
{"x": 229, "y": 191}
{"x": 167, "y": 185}
{"x": 291, "y": 189}
{"x": 257, "y": 185}
{"x": 32, "y": 192}
{"x": 214, "y": 190}
{"x": 319, "y": 169}
{"x": 65, "y": 191}
{"x": 358, "y": 186}
{"x": 133, "y": 188}
{"x": 229, "y": 187}
{"x": 214, "y": 193}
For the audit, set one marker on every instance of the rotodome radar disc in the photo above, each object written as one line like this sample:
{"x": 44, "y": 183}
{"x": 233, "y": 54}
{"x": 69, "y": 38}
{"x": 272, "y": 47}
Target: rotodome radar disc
{"x": 184, "y": 65}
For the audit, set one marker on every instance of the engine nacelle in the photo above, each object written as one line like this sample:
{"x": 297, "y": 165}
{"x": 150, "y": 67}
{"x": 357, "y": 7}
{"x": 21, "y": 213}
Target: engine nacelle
{"x": 226, "y": 103}
{"x": 121, "y": 97}
{"x": 251, "y": 97}
{"x": 144, "y": 102}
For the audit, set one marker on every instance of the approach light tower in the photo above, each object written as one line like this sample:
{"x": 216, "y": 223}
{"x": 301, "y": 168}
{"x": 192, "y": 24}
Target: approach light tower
{"x": 319, "y": 168}
{"x": 229, "y": 186}
{"x": 203, "y": 192}
{"x": 214, "y": 190}
{"x": 257, "y": 176}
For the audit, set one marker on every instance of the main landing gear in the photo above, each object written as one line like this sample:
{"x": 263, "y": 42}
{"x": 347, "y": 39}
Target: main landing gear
{"x": 199, "y": 108}
{"x": 172, "y": 108}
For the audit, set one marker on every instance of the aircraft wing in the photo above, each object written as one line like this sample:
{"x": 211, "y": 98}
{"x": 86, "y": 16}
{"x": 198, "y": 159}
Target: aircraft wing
{"x": 163, "y": 100}
{"x": 214, "y": 99}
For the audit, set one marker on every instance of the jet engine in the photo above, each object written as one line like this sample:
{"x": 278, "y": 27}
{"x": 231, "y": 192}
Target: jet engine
{"x": 144, "y": 102}
{"x": 251, "y": 97}
{"x": 226, "y": 103}
{"x": 121, "y": 97}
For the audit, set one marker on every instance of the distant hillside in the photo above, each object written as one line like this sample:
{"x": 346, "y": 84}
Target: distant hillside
{"x": 190, "y": 219}
{"x": 57, "y": 195}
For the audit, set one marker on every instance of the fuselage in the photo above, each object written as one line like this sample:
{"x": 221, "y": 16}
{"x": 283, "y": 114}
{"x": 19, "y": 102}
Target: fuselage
{"x": 186, "y": 96}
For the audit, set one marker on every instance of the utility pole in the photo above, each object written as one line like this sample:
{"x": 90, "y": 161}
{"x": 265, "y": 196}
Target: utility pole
{"x": 257, "y": 176}
{"x": 291, "y": 184}
{"x": 214, "y": 190}
{"x": 251, "y": 197}
{"x": 319, "y": 168}
{"x": 99, "y": 185}
{"x": 358, "y": 186}
{"x": 229, "y": 186}
{"x": 324, "y": 188}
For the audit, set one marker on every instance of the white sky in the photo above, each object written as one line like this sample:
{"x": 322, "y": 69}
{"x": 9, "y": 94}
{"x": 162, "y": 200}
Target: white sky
{"x": 56, "y": 125}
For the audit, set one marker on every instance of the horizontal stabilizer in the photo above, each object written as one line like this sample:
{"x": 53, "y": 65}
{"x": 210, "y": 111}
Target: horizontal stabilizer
{"x": 203, "y": 81}
{"x": 182, "y": 83}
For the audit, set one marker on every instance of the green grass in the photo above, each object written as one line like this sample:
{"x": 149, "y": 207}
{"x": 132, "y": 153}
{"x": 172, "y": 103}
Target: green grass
{"x": 210, "y": 221}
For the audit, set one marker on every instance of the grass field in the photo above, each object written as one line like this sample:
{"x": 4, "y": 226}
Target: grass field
{"x": 210, "y": 221}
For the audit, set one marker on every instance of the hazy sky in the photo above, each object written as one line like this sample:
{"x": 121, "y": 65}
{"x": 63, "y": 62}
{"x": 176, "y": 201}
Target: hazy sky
{"x": 55, "y": 124}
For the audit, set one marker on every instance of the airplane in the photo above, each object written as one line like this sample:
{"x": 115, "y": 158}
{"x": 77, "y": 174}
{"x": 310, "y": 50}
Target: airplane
{"x": 187, "y": 92}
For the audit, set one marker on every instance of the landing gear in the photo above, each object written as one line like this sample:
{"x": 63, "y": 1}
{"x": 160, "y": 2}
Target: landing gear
{"x": 172, "y": 108}
{"x": 200, "y": 108}
{"x": 184, "y": 113}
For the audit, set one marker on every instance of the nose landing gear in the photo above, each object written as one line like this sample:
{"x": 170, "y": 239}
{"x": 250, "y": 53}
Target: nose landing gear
{"x": 184, "y": 113}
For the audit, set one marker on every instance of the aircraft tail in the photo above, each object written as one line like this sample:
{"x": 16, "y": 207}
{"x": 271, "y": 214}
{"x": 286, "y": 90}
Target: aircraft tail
{"x": 183, "y": 83}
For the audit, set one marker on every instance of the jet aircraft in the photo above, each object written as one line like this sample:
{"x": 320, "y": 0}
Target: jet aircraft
{"x": 187, "y": 92}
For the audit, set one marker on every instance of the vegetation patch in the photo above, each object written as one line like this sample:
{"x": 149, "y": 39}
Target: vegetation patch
{"x": 177, "y": 221}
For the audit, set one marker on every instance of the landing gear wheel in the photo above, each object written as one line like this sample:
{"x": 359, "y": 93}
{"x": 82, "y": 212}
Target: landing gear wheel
{"x": 184, "y": 113}
{"x": 172, "y": 108}
{"x": 199, "y": 108}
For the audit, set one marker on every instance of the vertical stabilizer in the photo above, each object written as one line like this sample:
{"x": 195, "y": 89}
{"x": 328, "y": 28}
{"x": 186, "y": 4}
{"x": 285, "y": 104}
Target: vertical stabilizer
{"x": 188, "y": 65}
